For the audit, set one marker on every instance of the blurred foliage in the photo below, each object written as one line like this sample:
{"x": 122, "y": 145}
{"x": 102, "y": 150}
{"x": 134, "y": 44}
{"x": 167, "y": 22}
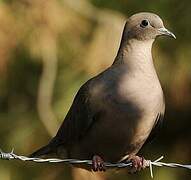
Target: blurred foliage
{"x": 49, "y": 48}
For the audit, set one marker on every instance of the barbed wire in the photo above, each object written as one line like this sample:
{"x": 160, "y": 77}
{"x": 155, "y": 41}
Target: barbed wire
{"x": 12, "y": 156}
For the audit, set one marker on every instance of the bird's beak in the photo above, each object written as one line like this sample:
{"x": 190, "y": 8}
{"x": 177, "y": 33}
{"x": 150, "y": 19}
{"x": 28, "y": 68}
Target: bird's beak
{"x": 164, "y": 31}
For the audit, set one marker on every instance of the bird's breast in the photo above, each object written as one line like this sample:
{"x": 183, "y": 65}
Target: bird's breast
{"x": 142, "y": 90}
{"x": 132, "y": 109}
{"x": 129, "y": 106}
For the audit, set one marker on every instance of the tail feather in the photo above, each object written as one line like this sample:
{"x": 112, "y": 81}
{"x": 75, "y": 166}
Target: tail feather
{"x": 45, "y": 150}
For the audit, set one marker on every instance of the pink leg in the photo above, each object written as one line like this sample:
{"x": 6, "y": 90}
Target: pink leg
{"x": 97, "y": 163}
{"x": 138, "y": 163}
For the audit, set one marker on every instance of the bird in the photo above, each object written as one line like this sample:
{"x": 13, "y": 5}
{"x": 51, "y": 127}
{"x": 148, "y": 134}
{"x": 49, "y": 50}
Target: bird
{"x": 116, "y": 112}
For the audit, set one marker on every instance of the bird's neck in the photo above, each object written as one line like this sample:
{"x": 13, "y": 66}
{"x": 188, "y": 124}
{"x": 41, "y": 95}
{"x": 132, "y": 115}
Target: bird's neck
{"x": 135, "y": 54}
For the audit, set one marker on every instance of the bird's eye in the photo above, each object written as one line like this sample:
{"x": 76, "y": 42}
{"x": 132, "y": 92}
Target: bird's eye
{"x": 144, "y": 23}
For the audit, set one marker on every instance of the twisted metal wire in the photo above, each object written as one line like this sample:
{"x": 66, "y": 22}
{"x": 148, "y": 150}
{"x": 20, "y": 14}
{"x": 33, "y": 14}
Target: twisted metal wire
{"x": 149, "y": 163}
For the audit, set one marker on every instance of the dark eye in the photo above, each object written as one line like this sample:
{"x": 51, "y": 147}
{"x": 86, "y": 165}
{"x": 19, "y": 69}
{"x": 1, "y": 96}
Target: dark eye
{"x": 144, "y": 23}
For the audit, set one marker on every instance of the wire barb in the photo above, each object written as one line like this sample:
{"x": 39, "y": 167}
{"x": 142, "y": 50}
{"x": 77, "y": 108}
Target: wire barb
{"x": 149, "y": 163}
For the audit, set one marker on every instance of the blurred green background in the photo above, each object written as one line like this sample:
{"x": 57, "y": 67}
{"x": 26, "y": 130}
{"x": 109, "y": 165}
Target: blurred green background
{"x": 49, "y": 48}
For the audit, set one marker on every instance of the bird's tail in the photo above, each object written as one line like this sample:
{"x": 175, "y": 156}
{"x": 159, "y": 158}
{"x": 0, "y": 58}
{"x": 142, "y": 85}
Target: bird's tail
{"x": 45, "y": 150}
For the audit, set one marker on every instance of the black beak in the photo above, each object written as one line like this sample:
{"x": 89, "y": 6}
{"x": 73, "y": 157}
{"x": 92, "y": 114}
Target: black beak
{"x": 164, "y": 31}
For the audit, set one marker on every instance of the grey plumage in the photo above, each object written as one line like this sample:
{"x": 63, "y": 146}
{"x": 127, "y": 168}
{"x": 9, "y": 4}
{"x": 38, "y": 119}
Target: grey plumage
{"x": 113, "y": 113}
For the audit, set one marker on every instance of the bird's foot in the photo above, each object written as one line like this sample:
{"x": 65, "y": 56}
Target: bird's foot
{"x": 138, "y": 163}
{"x": 98, "y": 164}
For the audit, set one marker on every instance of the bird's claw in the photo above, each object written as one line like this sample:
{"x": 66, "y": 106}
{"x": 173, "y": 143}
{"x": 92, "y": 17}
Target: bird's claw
{"x": 138, "y": 163}
{"x": 98, "y": 164}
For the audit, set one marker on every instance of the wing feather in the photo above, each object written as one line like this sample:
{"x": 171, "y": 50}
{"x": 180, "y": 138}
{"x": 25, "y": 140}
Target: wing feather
{"x": 78, "y": 120}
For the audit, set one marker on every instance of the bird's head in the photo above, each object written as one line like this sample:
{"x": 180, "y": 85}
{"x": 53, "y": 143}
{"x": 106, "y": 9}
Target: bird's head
{"x": 145, "y": 26}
